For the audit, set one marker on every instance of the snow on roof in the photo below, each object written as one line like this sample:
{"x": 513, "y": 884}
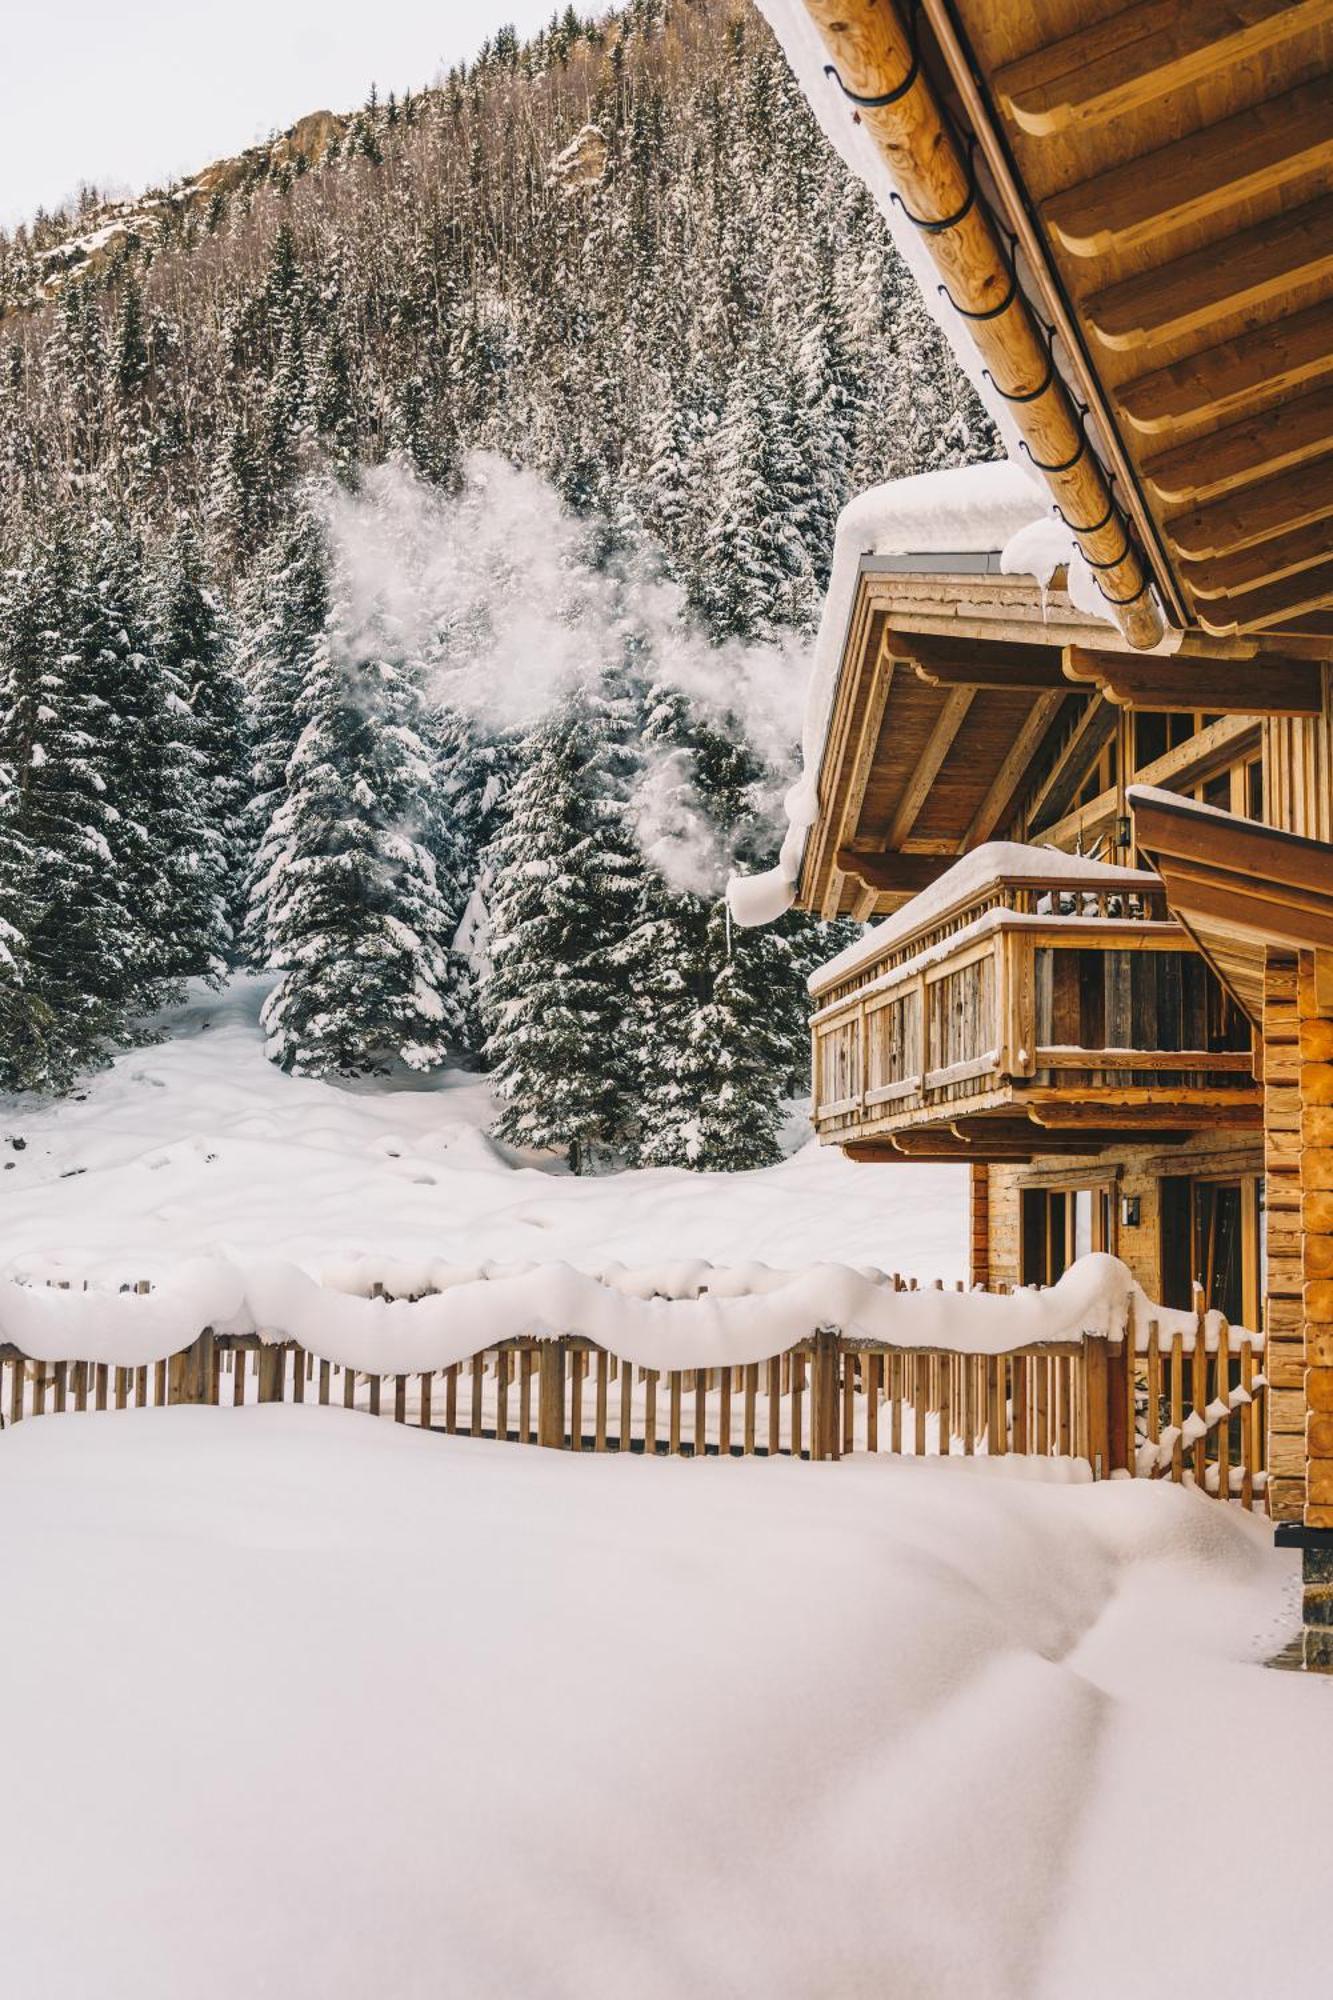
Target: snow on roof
{"x": 984, "y": 868}
{"x": 986, "y": 507}
{"x": 971, "y": 509}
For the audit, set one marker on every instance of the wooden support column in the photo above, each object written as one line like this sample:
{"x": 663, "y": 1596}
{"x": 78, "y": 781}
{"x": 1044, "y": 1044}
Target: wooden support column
{"x": 979, "y": 1259}
{"x": 1316, "y": 1100}
{"x": 1284, "y": 1357}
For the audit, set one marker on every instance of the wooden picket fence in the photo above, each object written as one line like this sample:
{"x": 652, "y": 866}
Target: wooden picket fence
{"x": 1181, "y": 1409}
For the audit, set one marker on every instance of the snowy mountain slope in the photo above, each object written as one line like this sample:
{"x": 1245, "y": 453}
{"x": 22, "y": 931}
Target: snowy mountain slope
{"x": 200, "y": 1144}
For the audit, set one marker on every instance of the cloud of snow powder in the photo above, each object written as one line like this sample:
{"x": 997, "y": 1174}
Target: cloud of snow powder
{"x": 499, "y": 590}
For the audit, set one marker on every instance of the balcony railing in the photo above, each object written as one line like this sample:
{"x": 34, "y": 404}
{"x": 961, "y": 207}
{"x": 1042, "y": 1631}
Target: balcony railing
{"x": 1027, "y": 999}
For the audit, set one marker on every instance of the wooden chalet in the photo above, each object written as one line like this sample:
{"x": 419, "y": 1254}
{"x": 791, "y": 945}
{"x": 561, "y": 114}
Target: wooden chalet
{"x": 1121, "y": 1012}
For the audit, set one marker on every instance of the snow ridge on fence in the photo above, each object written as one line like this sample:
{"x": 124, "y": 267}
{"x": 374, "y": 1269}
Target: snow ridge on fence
{"x": 686, "y": 1314}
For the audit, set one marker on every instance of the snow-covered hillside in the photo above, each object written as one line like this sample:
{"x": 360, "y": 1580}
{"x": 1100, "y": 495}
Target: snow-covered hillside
{"x": 199, "y": 1144}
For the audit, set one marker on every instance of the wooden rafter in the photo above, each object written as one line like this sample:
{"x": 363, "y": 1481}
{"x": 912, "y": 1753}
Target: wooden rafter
{"x": 1260, "y": 264}
{"x": 1265, "y": 146}
{"x": 1265, "y": 362}
{"x": 893, "y": 874}
{"x": 1008, "y": 780}
{"x": 1238, "y": 875}
{"x": 1268, "y": 685}
{"x": 997, "y": 664}
{"x": 1263, "y": 562}
{"x": 951, "y": 718}
{"x": 1115, "y": 65}
{"x": 1275, "y": 604}
{"x": 1290, "y": 500}
{"x": 1270, "y": 440}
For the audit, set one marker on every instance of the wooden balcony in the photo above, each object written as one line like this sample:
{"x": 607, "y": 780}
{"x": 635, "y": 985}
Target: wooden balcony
{"x": 1027, "y": 1004}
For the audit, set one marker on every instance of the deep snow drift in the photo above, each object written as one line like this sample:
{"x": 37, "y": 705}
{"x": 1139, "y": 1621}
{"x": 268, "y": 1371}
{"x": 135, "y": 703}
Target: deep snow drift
{"x": 200, "y": 1145}
{"x": 306, "y": 1705}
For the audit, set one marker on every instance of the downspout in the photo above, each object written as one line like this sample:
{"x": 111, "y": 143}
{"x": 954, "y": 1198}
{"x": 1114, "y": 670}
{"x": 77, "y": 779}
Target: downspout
{"x": 878, "y": 65}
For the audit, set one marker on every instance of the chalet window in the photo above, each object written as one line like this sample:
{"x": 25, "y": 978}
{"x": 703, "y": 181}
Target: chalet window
{"x": 1156, "y": 732}
{"x": 1212, "y": 1233}
{"x": 1062, "y": 1224}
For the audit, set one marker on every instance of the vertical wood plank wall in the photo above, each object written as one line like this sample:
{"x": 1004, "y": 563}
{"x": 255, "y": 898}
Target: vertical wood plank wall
{"x": 1298, "y": 772}
{"x": 1283, "y": 1311}
{"x": 1316, "y": 1181}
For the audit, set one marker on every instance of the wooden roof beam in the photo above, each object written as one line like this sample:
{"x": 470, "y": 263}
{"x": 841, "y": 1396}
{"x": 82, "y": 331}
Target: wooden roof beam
{"x": 952, "y": 716}
{"x": 877, "y": 62}
{"x": 1276, "y": 604}
{"x": 1290, "y": 500}
{"x": 1285, "y": 434}
{"x": 1262, "y": 686}
{"x": 1117, "y": 64}
{"x": 962, "y": 663}
{"x": 893, "y": 874}
{"x": 1265, "y": 361}
{"x": 1004, "y": 787}
{"x": 1265, "y": 562}
{"x": 1192, "y": 178}
{"x": 1220, "y": 280}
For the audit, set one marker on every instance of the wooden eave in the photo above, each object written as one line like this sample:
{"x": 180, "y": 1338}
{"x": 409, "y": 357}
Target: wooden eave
{"x": 1238, "y": 887}
{"x": 1166, "y": 169}
{"x": 955, "y": 691}
{"x": 1130, "y": 200}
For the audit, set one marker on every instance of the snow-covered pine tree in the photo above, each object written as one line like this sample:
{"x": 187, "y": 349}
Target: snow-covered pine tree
{"x": 74, "y": 941}
{"x": 157, "y": 834}
{"x": 718, "y": 1013}
{"x": 195, "y": 649}
{"x": 355, "y": 915}
{"x": 566, "y": 882}
{"x": 288, "y": 628}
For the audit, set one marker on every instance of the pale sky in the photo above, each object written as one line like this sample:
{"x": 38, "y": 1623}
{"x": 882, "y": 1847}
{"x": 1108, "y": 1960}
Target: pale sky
{"x": 126, "y": 93}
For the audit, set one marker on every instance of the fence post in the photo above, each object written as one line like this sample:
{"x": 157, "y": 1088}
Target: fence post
{"x": 551, "y": 1396}
{"x": 190, "y": 1373}
{"x": 1097, "y": 1379}
{"x": 271, "y": 1372}
{"x": 825, "y": 1401}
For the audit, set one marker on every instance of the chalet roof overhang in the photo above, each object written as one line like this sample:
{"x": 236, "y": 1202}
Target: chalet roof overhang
{"x": 1241, "y": 889}
{"x": 1155, "y": 178}
{"x": 958, "y": 687}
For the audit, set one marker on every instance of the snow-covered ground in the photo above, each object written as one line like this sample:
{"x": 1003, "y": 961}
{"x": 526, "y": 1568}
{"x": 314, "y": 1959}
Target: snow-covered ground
{"x": 198, "y": 1144}
{"x": 304, "y": 1705}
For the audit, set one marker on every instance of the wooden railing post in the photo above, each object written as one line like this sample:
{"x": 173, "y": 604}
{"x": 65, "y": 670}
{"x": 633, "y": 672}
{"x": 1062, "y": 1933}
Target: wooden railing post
{"x": 1118, "y": 1441}
{"x": 190, "y": 1373}
{"x": 271, "y": 1372}
{"x": 551, "y": 1396}
{"x": 1096, "y": 1374}
{"x": 825, "y": 1399}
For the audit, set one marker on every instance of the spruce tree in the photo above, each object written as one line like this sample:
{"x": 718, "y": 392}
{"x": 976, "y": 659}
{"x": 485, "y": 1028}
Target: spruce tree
{"x": 355, "y": 916}
{"x": 73, "y": 937}
{"x": 566, "y": 881}
{"x": 196, "y": 655}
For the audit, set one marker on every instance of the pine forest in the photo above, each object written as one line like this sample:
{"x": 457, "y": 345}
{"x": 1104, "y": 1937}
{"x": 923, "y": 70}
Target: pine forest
{"x": 411, "y": 538}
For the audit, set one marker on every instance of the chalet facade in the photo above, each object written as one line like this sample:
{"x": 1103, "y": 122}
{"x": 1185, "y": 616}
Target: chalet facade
{"x": 1098, "y": 830}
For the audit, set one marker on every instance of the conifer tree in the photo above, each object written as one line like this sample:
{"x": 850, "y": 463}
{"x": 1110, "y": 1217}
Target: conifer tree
{"x": 355, "y": 916}
{"x": 196, "y": 654}
{"x": 73, "y": 939}
{"x": 566, "y": 882}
